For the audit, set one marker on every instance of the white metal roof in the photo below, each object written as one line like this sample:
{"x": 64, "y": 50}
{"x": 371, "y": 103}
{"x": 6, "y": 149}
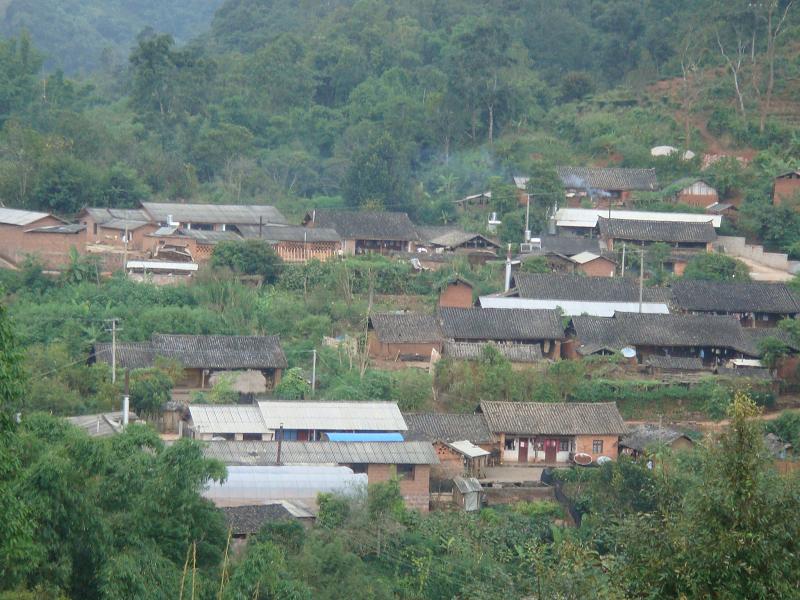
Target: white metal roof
{"x": 468, "y": 449}
{"x": 746, "y": 362}
{"x": 584, "y": 257}
{"x": 575, "y": 307}
{"x": 210, "y": 418}
{"x": 333, "y": 416}
{"x": 587, "y": 217}
{"x": 160, "y": 265}
{"x": 12, "y": 216}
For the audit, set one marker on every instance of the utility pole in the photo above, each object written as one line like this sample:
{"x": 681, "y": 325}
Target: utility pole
{"x": 623, "y": 259}
{"x": 125, "y": 256}
{"x": 313, "y": 371}
{"x": 113, "y": 331}
{"x": 527, "y": 219}
{"x": 126, "y": 399}
{"x": 641, "y": 277}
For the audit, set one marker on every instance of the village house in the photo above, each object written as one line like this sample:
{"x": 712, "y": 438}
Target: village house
{"x": 594, "y": 265}
{"x": 448, "y": 238}
{"x": 403, "y": 336}
{"x": 645, "y": 438}
{"x": 576, "y": 295}
{"x": 102, "y": 424}
{"x": 24, "y": 232}
{"x": 713, "y": 339}
{"x": 410, "y": 462}
{"x": 600, "y": 185}
{"x": 246, "y": 520}
{"x": 659, "y": 364}
{"x": 197, "y": 243}
{"x": 584, "y": 222}
{"x": 364, "y": 232}
{"x": 571, "y": 254}
{"x": 692, "y": 191}
{"x": 474, "y": 201}
{"x": 296, "y": 244}
{"x": 755, "y": 304}
{"x": 519, "y": 326}
{"x": 519, "y": 355}
{"x": 462, "y": 442}
{"x": 786, "y": 188}
{"x": 116, "y": 227}
{"x": 211, "y": 217}
{"x": 553, "y": 433}
{"x": 201, "y": 356}
{"x": 456, "y": 292}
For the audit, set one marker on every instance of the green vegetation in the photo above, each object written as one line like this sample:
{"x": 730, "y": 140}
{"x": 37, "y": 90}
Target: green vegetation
{"x": 716, "y": 267}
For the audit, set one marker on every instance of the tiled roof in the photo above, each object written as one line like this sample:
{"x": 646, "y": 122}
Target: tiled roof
{"x": 674, "y": 363}
{"x": 754, "y": 335}
{"x": 652, "y": 231}
{"x": 608, "y": 178}
{"x": 449, "y": 237}
{"x": 500, "y": 324}
{"x": 568, "y": 245}
{"x": 289, "y": 233}
{"x": 245, "y": 520}
{"x": 554, "y": 418}
{"x": 568, "y": 286}
{"x": 588, "y": 217}
{"x": 68, "y": 228}
{"x": 516, "y": 353}
{"x": 12, "y": 216}
{"x": 235, "y": 418}
{"x": 634, "y": 329}
{"x": 130, "y": 355}
{"x": 405, "y": 328}
{"x": 644, "y": 436}
{"x": 103, "y": 424}
{"x": 231, "y": 214}
{"x": 656, "y": 231}
{"x": 118, "y": 218}
{"x": 440, "y": 427}
{"x": 322, "y": 453}
{"x": 366, "y": 225}
{"x": 714, "y": 296}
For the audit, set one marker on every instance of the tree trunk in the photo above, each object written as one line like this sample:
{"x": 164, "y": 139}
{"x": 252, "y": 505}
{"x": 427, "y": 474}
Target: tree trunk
{"x": 491, "y": 123}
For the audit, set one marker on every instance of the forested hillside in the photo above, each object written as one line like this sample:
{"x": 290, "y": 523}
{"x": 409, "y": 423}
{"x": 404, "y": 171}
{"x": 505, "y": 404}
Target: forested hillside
{"x": 80, "y": 36}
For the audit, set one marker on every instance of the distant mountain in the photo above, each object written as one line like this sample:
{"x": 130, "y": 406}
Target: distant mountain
{"x": 83, "y": 35}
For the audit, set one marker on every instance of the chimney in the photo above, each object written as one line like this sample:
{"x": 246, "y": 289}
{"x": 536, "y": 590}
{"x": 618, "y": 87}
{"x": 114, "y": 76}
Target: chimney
{"x": 280, "y": 443}
{"x": 126, "y": 399}
{"x": 508, "y": 268}
{"x": 169, "y": 220}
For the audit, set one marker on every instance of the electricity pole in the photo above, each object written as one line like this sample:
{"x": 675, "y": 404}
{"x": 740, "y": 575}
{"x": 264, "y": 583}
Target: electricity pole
{"x": 623, "y": 259}
{"x": 113, "y": 331}
{"x": 313, "y": 371}
{"x": 641, "y": 277}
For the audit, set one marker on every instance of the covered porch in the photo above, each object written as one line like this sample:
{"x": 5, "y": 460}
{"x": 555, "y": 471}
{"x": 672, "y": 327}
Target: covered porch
{"x": 539, "y": 449}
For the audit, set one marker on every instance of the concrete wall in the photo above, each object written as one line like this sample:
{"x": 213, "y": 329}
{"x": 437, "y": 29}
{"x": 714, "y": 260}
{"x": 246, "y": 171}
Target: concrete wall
{"x": 457, "y": 294}
{"x": 738, "y": 247}
{"x": 416, "y": 492}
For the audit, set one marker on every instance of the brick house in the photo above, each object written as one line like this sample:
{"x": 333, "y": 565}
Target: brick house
{"x": 553, "y": 432}
{"x": 198, "y": 243}
{"x": 694, "y": 192}
{"x": 403, "y": 336}
{"x": 643, "y": 438}
{"x": 365, "y": 232}
{"x": 294, "y": 243}
{"x": 201, "y": 356}
{"x": 456, "y": 292}
{"x": 594, "y": 265}
{"x": 785, "y": 188}
{"x": 410, "y": 462}
{"x": 110, "y": 226}
{"x": 604, "y": 185}
{"x": 519, "y": 355}
{"x": 15, "y": 245}
{"x": 52, "y": 243}
{"x": 449, "y": 238}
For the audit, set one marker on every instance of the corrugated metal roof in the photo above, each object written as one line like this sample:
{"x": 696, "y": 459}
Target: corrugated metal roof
{"x": 588, "y": 217}
{"x": 232, "y": 214}
{"x": 554, "y": 418}
{"x": 333, "y": 416}
{"x": 466, "y": 485}
{"x": 68, "y": 229}
{"x": 574, "y": 307}
{"x": 322, "y": 453}
{"x": 12, "y": 216}
{"x": 468, "y": 449}
{"x": 102, "y": 424}
{"x": 338, "y": 436}
{"x": 210, "y": 418}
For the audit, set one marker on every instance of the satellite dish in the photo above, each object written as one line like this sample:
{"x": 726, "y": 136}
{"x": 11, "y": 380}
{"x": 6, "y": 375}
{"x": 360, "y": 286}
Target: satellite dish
{"x": 628, "y": 352}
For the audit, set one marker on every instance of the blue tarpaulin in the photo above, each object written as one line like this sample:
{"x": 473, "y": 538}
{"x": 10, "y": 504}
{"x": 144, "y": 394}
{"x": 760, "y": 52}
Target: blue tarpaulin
{"x": 364, "y": 437}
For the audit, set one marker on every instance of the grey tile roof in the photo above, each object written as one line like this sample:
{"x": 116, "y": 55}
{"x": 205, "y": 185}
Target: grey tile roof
{"x": 208, "y": 237}
{"x": 366, "y": 225}
{"x": 441, "y": 427}
{"x": 102, "y": 424}
{"x": 644, "y": 436}
{"x": 405, "y": 328}
{"x": 568, "y": 286}
{"x": 500, "y": 324}
{"x": 608, "y": 178}
{"x": 322, "y": 453}
{"x": 754, "y": 335}
{"x": 516, "y": 353}
{"x": 449, "y": 236}
{"x": 634, "y": 329}
{"x": 656, "y": 231}
{"x": 554, "y": 418}
{"x": 12, "y": 216}
{"x": 232, "y": 214}
{"x": 674, "y": 363}
{"x": 69, "y": 228}
{"x": 102, "y": 215}
{"x": 569, "y": 245}
{"x": 222, "y": 351}
{"x": 289, "y": 233}
{"x": 713, "y": 296}
{"x": 245, "y": 520}
{"x": 199, "y": 352}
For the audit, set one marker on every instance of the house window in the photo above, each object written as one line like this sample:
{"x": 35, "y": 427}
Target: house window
{"x": 252, "y": 437}
{"x": 359, "y": 467}
{"x": 563, "y": 446}
{"x": 511, "y": 444}
{"x": 597, "y": 446}
{"x": 405, "y": 472}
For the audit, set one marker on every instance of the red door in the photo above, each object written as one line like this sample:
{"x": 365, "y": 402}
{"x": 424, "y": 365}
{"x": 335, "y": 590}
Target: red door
{"x": 550, "y": 449}
{"x": 523, "y": 450}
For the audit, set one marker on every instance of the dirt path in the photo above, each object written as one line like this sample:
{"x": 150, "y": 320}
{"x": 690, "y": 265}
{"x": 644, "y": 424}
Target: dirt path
{"x": 759, "y": 272}
{"x": 709, "y": 426}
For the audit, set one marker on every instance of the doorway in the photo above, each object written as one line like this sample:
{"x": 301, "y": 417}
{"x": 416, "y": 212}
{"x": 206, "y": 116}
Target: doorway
{"x": 550, "y": 450}
{"x": 523, "y": 450}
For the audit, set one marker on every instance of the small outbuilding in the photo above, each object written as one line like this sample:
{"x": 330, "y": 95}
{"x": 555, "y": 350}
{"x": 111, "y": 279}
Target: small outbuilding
{"x": 468, "y": 493}
{"x": 643, "y": 438}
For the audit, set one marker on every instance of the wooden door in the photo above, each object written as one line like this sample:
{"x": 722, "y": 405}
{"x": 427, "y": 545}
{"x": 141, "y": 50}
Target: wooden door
{"x": 523, "y": 450}
{"x": 550, "y": 449}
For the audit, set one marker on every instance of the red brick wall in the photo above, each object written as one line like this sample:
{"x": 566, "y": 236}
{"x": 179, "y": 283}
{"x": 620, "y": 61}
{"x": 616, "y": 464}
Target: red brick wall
{"x": 599, "y": 267}
{"x": 416, "y": 492}
{"x": 583, "y": 443}
{"x": 383, "y": 351}
{"x": 52, "y": 248}
{"x": 12, "y": 246}
{"x": 785, "y": 189}
{"x": 457, "y": 294}
{"x": 701, "y": 200}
